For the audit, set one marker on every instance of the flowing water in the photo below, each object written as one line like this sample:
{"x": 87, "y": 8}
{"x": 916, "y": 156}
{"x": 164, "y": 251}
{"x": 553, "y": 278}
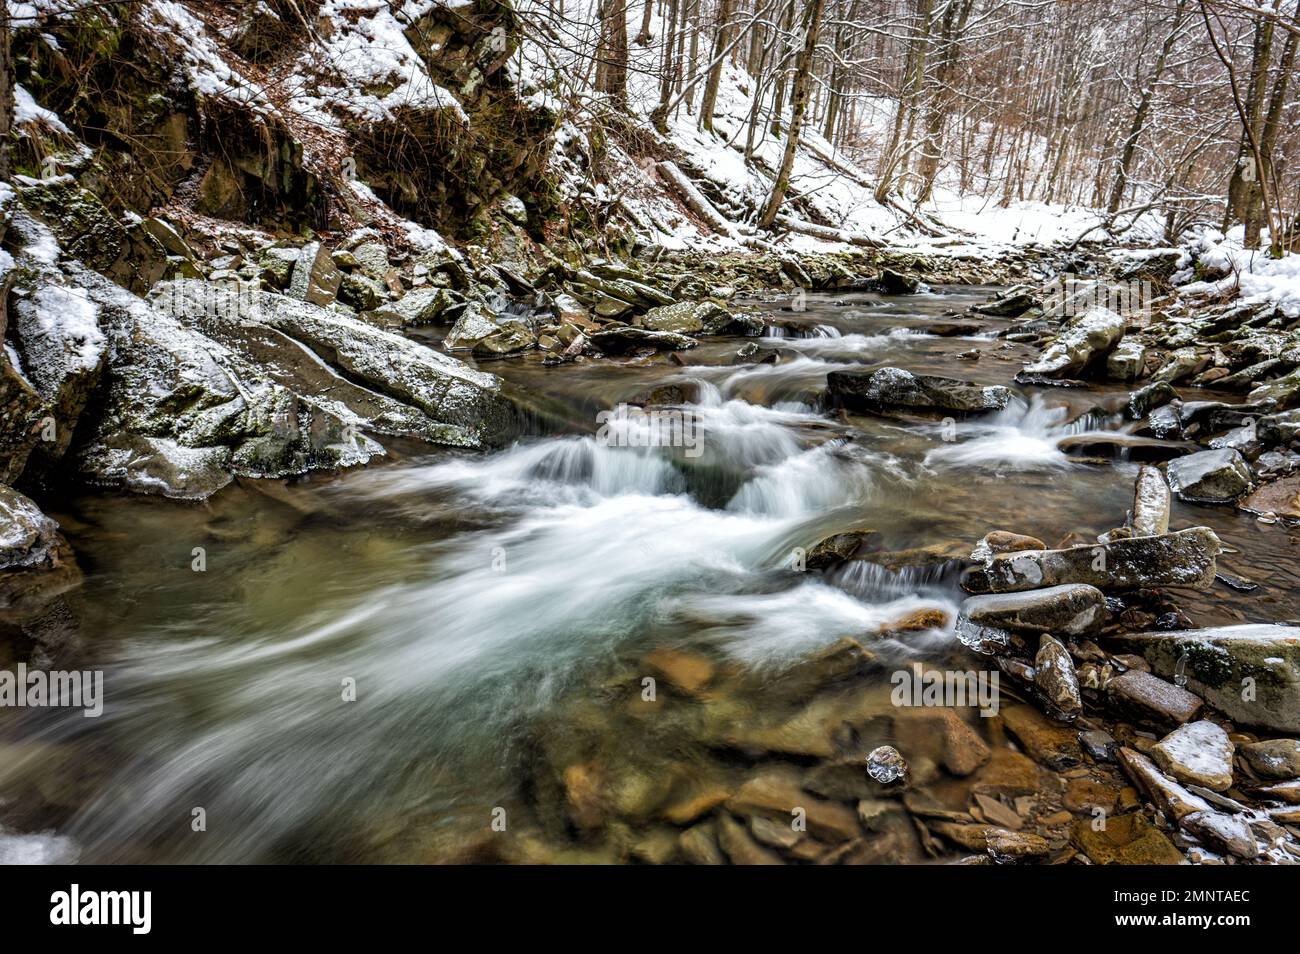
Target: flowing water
{"x": 486, "y": 609}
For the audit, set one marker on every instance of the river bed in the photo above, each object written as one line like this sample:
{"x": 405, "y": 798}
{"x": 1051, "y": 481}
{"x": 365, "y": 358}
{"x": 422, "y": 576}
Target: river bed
{"x": 389, "y": 664}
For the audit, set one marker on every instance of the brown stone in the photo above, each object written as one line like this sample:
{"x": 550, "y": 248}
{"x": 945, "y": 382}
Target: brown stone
{"x": 699, "y": 844}
{"x": 916, "y": 622}
{"x": 775, "y": 793}
{"x": 696, "y": 801}
{"x": 1125, "y": 840}
{"x": 737, "y": 844}
{"x": 944, "y": 734}
{"x": 1151, "y": 700}
{"x": 1280, "y": 497}
{"x": 687, "y": 671}
{"x": 583, "y": 790}
{"x": 1008, "y": 772}
{"x": 1168, "y": 796}
{"x": 1085, "y": 794}
{"x": 1046, "y": 742}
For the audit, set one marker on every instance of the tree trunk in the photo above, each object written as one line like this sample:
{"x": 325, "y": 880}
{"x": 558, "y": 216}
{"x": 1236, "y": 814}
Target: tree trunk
{"x": 6, "y": 90}
{"x": 659, "y": 116}
{"x": 611, "y": 69}
{"x": 798, "y": 106}
{"x": 725, "y": 10}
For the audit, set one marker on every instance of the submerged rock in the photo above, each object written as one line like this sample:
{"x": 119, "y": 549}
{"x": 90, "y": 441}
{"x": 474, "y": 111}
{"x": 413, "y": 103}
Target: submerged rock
{"x": 1125, "y": 840}
{"x": 895, "y": 387}
{"x": 1251, "y": 672}
{"x": 1184, "y": 558}
{"x": 1199, "y": 753}
{"x": 1082, "y": 340}
{"x": 1212, "y": 476}
{"x": 1048, "y": 743}
{"x": 1278, "y": 497}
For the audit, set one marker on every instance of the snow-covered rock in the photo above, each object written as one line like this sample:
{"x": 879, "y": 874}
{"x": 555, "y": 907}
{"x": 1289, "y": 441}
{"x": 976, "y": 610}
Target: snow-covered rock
{"x": 1084, "y": 339}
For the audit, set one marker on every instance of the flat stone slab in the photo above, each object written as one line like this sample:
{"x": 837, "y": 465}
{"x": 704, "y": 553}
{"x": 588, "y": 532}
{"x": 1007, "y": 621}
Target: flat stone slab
{"x": 1184, "y": 558}
{"x": 1199, "y": 753}
{"x": 1249, "y": 672}
{"x": 1072, "y": 609}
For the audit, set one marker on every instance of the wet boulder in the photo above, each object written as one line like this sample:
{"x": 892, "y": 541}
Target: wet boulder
{"x": 482, "y": 332}
{"x": 1184, "y": 558}
{"x": 182, "y": 415}
{"x": 1150, "y": 700}
{"x": 1249, "y": 672}
{"x": 1146, "y": 399}
{"x": 1212, "y": 476}
{"x": 1280, "y": 497}
{"x": 682, "y": 318}
{"x": 705, "y": 317}
{"x": 1068, "y": 610}
{"x": 891, "y": 282}
{"x": 1281, "y": 428}
{"x": 898, "y": 388}
{"x": 1083, "y": 340}
{"x": 1278, "y": 395}
{"x": 1011, "y": 303}
{"x": 619, "y": 339}
{"x": 27, "y": 536}
{"x": 1180, "y": 365}
{"x": 1056, "y": 680}
{"x": 1127, "y": 362}
{"x": 1273, "y": 758}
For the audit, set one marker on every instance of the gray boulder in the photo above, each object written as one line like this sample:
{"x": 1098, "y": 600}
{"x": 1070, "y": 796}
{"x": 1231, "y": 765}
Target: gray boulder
{"x": 1067, "y": 610}
{"x": 1090, "y": 336}
{"x": 617, "y": 339}
{"x": 315, "y": 278}
{"x": 27, "y": 536}
{"x": 896, "y": 387}
{"x": 1127, "y": 361}
{"x": 1250, "y": 672}
{"x": 1184, "y": 558}
{"x": 482, "y": 332}
{"x": 1212, "y": 476}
